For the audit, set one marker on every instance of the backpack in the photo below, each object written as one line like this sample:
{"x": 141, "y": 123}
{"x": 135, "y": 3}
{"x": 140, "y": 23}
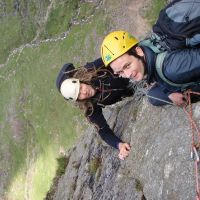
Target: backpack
{"x": 159, "y": 64}
{"x": 177, "y": 27}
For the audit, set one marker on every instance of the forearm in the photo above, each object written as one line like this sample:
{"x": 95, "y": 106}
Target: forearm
{"x": 109, "y": 137}
{"x": 158, "y": 96}
{"x": 103, "y": 128}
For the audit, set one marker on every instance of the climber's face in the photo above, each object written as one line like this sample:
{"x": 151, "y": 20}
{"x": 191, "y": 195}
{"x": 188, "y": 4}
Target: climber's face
{"x": 129, "y": 66}
{"x": 86, "y": 91}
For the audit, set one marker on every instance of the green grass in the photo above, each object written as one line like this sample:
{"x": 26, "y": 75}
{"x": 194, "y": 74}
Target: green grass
{"x": 6, "y": 7}
{"x": 62, "y": 163}
{"x": 86, "y": 9}
{"x": 94, "y": 165}
{"x": 10, "y": 29}
{"x": 18, "y": 26}
{"x": 28, "y": 92}
{"x": 152, "y": 12}
{"x": 60, "y": 18}
{"x": 48, "y": 120}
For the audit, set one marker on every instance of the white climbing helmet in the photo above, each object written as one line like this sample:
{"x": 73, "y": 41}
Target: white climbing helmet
{"x": 70, "y": 89}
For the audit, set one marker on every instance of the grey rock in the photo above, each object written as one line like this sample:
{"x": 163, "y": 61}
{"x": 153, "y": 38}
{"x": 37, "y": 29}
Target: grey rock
{"x": 159, "y": 165}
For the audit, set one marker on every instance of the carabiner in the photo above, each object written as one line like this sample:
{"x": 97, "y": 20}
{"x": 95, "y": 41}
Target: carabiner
{"x": 194, "y": 154}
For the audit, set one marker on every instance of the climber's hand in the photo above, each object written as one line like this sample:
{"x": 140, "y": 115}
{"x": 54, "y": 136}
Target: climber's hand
{"x": 177, "y": 98}
{"x": 124, "y": 150}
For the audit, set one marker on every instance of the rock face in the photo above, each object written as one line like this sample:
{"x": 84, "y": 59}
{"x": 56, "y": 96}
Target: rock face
{"x": 159, "y": 165}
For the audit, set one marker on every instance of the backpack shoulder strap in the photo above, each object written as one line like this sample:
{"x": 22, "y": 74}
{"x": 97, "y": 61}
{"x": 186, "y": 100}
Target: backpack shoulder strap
{"x": 153, "y": 42}
{"x": 159, "y": 68}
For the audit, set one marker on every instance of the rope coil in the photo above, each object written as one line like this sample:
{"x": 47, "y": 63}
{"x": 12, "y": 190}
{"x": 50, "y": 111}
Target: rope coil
{"x": 195, "y": 144}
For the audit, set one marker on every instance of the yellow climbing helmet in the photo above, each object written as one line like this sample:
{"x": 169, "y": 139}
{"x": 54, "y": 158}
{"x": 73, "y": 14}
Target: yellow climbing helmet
{"x": 116, "y": 44}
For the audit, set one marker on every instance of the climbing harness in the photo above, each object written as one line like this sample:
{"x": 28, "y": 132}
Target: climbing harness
{"x": 195, "y": 145}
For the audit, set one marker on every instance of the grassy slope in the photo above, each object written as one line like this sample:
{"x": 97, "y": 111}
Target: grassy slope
{"x": 18, "y": 23}
{"x": 35, "y": 122}
{"x": 152, "y": 12}
{"x": 31, "y": 102}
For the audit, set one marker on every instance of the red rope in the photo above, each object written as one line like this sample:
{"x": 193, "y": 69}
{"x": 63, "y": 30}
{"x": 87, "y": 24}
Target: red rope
{"x": 195, "y": 142}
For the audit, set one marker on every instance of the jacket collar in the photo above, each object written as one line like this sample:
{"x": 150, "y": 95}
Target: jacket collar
{"x": 150, "y": 59}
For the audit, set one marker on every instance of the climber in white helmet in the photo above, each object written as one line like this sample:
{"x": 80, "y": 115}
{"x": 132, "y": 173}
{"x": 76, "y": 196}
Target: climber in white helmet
{"x": 93, "y": 87}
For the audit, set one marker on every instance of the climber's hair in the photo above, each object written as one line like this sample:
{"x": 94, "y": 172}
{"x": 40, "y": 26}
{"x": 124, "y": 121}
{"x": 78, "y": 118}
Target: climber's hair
{"x": 87, "y": 76}
{"x": 133, "y": 52}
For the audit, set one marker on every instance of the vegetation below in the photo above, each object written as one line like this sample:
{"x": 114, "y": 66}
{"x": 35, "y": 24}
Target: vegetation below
{"x": 152, "y": 12}
{"x": 36, "y": 124}
{"x": 19, "y": 21}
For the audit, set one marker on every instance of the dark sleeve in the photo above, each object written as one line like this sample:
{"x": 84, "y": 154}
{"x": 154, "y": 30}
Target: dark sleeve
{"x": 194, "y": 41}
{"x": 182, "y": 66}
{"x": 95, "y": 64}
{"x": 158, "y": 95}
{"x": 104, "y": 130}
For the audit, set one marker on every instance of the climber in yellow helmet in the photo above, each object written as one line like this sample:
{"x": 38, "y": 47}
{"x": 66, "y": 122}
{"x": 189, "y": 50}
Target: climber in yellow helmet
{"x": 130, "y": 59}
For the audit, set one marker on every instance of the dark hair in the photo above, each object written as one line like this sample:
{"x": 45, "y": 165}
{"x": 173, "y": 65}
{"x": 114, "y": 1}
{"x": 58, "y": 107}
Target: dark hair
{"x": 87, "y": 76}
{"x": 133, "y": 52}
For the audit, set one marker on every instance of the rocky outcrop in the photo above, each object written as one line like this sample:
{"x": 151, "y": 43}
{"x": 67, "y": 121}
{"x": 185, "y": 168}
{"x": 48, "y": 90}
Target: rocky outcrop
{"x": 159, "y": 165}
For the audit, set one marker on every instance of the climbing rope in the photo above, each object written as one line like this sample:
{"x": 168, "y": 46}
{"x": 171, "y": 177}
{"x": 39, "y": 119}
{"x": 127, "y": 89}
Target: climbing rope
{"x": 195, "y": 144}
{"x": 141, "y": 89}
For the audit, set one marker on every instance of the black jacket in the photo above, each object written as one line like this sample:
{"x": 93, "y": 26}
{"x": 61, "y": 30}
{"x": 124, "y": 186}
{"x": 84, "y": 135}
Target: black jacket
{"x": 179, "y": 66}
{"x": 110, "y": 89}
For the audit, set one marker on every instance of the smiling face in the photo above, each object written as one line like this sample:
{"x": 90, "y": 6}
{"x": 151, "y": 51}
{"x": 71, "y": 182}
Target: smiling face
{"x": 86, "y": 91}
{"x": 129, "y": 66}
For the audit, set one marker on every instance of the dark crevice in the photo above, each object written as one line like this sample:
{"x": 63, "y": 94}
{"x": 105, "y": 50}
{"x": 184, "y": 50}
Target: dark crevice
{"x": 143, "y": 197}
